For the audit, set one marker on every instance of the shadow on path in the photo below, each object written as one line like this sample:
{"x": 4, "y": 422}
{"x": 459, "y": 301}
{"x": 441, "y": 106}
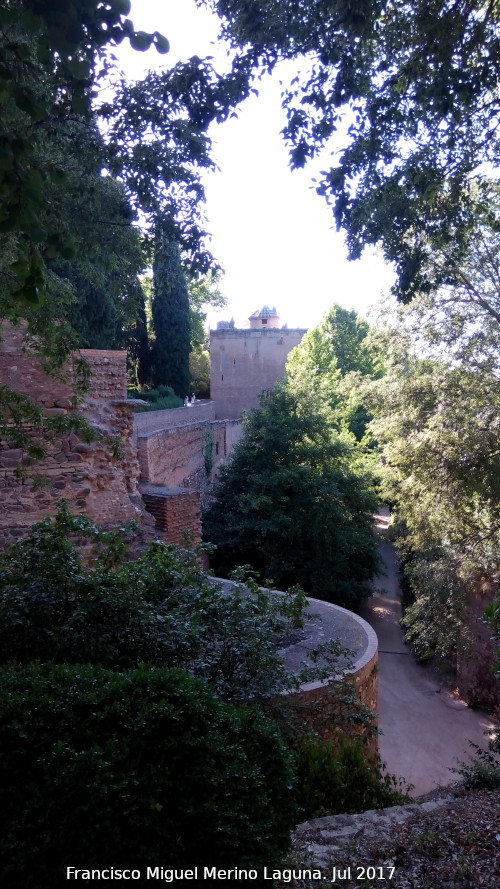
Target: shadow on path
{"x": 425, "y": 729}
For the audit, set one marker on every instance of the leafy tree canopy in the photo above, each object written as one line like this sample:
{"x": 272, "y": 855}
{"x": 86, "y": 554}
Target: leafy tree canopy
{"x": 204, "y": 291}
{"x": 51, "y": 56}
{"x": 416, "y": 84}
{"x": 330, "y": 355}
{"x": 436, "y": 422}
{"x": 463, "y": 320}
{"x": 292, "y": 502}
{"x": 170, "y": 313}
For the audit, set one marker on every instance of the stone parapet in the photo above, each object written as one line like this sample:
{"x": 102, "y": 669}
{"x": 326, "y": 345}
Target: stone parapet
{"x": 151, "y": 421}
{"x": 314, "y": 704}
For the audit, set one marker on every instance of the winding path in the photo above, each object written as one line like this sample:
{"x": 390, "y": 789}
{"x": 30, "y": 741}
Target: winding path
{"x": 425, "y": 729}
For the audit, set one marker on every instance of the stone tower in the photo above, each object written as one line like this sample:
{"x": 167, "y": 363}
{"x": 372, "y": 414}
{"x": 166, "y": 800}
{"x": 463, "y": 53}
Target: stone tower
{"x": 244, "y": 362}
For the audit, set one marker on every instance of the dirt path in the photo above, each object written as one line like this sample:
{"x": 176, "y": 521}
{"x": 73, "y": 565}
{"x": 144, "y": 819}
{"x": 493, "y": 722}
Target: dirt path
{"x": 425, "y": 730}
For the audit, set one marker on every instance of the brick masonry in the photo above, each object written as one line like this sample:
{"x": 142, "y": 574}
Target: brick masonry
{"x": 176, "y": 512}
{"x": 86, "y": 476}
{"x": 180, "y": 461}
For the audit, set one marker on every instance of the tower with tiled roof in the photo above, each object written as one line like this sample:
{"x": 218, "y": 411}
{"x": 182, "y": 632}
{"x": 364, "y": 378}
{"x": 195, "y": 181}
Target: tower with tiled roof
{"x": 247, "y": 361}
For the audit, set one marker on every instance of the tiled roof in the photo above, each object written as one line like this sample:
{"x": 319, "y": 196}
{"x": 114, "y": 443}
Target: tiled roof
{"x": 265, "y": 312}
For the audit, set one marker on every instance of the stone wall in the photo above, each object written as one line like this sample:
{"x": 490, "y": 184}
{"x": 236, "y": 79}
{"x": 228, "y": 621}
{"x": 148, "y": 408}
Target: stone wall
{"x": 87, "y": 476}
{"x": 315, "y": 701}
{"x": 320, "y": 709}
{"x": 151, "y": 421}
{"x": 245, "y": 362}
{"x": 174, "y": 457}
{"x": 186, "y": 455}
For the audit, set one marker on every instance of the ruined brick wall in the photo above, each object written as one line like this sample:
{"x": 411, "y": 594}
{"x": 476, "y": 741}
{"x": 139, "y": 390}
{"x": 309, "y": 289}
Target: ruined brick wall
{"x": 244, "y": 362}
{"x": 187, "y": 455}
{"x": 176, "y": 512}
{"x": 181, "y": 462}
{"x": 174, "y": 457}
{"x": 87, "y": 476}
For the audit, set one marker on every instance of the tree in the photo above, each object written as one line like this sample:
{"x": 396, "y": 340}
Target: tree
{"x": 170, "y": 311}
{"x": 334, "y": 355}
{"x": 51, "y": 58}
{"x": 464, "y": 319}
{"x": 116, "y": 771}
{"x": 291, "y": 504}
{"x": 157, "y": 143}
{"x": 416, "y": 82}
{"x": 203, "y": 292}
{"x": 437, "y": 424}
{"x": 58, "y": 203}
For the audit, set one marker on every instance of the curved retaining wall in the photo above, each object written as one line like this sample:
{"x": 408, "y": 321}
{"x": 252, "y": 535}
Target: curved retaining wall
{"x": 313, "y": 703}
{"x": 314, "y": 700}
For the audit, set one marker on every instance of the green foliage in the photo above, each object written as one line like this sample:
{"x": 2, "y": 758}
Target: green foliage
{"x": 159, "y": 398}
{"x": 70, "y": 254}
{"x": 344, "y": 778}
{"x": 160, "y": 609}
{"x": 292, "y": 504}
{"x": 203, "y": 291}
{"x": 158, "y": 144}
{"x": 132, "y": 770}
{"x": 50, "y": 60}
{"x": 199, "y": 368}
{"x": 492, "y": 616}
{"x": 434, "y": 621}
{"x": 482, "y": 770}
{"x": 339, "y": 346}
{"x": 334, "y": 356}
{"x": 170, "y": 309}
{"x": 208, "y": 445}
{"x": 463, "y": 318}
{"x": 19, "y": 412}
{"x": 436, "y": 422}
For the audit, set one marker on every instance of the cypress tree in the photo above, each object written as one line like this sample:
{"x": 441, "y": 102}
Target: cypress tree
{"x": 136, "y": 340}
{"x": 170, "y": 310}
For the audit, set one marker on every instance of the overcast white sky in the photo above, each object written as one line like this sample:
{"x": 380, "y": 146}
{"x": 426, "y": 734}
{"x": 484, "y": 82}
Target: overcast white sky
{"x": 272, "y": 233}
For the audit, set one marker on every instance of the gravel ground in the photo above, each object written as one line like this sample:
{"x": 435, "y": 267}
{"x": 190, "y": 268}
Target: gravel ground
{"x": 455, "y": 846}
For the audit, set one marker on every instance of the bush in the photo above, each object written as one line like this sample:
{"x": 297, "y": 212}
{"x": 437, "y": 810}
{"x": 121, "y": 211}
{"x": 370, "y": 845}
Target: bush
{"x": 160, "y": 609}
{"x": 483, "y": 768}
{"x": 160, "y": 398}
{"x": 332, "y": 780}
{"x": 136, "y": 769}
{"x": 294, "y": 502}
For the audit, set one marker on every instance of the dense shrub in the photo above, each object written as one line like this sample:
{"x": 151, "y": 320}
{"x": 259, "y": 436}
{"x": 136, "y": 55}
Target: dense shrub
{"x": 159, "y": 398}
{"x": 160, "y": 609}
{"x": 136, "y": 769}
{"x": 331, "y": 780}
{"x": 295, "y": 503}
{"x": 482, "y": 770}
